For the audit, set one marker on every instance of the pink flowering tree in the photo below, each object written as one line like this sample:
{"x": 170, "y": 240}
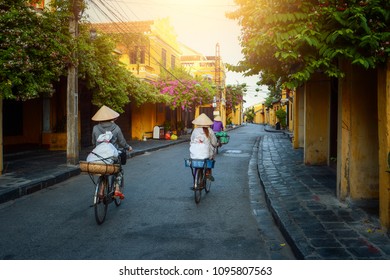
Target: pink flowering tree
{"x": 184, "y": 91}
{"x": 234, "y": 96}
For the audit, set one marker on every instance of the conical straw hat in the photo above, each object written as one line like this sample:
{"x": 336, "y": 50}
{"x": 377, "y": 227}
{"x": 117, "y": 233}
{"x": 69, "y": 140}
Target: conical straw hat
{"x": 105, "y": 114}
{"x": 217, "y": 118}
{"x": 202, "y": 120}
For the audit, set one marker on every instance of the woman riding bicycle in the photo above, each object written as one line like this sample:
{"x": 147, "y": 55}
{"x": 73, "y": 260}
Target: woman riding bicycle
{"x": 203, "y": 140}
{"x": 106, "y": 118}
{"x": 217, "y": 125}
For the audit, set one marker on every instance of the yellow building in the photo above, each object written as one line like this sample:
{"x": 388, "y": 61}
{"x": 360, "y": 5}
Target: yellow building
{"x": 147, "y": 48}
{"x": 286, "y": 103}
{"x": 235, "y": 116}
{"x": 344, "y": 123}
{"x": 259, "y": 113}
{"x": 271, "y": 113}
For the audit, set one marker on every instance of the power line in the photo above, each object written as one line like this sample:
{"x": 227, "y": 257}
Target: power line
{"x": 115, "y": 13}
{"x": 125, "y": 32}
{"x": 166, "y": 3}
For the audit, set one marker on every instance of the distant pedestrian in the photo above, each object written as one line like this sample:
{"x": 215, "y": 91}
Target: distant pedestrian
{"x": 106, "y": 118}
{"x": 217, "y": 125}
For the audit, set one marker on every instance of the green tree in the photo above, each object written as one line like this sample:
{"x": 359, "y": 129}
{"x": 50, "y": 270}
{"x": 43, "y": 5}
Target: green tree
{"x": 34, "y": 50}
{"x": 108, "y": 78}
{"x": 268, "y": 101}
{"x": 292, "y": 39}
{"x": 281, "y": 115}
{"x": 249, "y": 114}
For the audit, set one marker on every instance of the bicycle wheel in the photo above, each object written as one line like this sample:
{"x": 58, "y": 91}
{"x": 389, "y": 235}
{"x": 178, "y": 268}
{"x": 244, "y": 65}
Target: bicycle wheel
{"x": 207, "y": 184}
{"x": 198, "y": 184}
{"x": 121, "y": 186}
{"x": 101, "y": 204}
{"x": 218, "y": 145}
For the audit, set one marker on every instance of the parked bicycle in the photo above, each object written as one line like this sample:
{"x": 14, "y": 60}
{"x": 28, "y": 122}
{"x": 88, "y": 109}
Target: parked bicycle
{"x": 108, "y": 176}
{"x": 198, "y": 170}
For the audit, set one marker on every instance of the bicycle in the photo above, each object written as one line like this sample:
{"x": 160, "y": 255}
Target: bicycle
{"x": 198, "y": 170}
{"x": 109, "y": 176}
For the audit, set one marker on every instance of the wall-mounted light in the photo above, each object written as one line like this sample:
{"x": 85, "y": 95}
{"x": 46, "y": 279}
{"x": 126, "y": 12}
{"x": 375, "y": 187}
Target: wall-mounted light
{"x": 284, "y": 101}
{"x": 92, "y": 34}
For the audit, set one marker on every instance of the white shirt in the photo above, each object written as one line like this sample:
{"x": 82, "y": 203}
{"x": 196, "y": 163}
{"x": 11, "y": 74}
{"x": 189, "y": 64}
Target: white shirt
{"x": 201, "y": 146}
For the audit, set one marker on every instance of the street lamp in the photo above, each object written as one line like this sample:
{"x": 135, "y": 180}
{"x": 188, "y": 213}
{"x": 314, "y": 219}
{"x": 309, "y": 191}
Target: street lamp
{"x": 92, "y": 34}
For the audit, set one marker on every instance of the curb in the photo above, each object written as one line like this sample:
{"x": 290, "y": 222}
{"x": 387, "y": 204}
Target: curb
{"x": 276, "y": 214}
{"x": 39, "y": 184}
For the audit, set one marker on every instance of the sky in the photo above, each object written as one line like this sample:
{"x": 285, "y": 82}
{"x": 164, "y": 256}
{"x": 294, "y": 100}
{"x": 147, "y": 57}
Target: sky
{"x": 199, "y": 24}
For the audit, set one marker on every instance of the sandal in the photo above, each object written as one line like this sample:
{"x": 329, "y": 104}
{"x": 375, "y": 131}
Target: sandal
{"x": 119, "y": 194}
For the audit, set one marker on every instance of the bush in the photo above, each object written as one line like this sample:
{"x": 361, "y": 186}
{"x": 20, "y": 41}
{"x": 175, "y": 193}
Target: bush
{"x": 281, "y": 115}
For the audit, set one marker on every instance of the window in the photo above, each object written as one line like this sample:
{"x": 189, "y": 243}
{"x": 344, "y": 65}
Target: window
{"x": 142, "y": 55}
{"x": 137, "y": 55}
{"x": 164, "y": 57}
{"x": 14, "y": 111}
{"x": 133, "y": 55}
{"x": 173, "y": 61}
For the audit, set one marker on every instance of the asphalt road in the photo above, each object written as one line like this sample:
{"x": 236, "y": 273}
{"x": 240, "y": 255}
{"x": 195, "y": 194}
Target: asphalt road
{"x": 158, "y": 220}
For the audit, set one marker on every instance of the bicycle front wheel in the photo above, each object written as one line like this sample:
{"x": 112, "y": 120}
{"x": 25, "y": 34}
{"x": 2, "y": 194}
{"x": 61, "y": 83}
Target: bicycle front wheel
{"x": 117, "y": 200}
{"x": 101, "y": 202}
{"x": 198, "y": 184}
{"x": 207, "y": 184}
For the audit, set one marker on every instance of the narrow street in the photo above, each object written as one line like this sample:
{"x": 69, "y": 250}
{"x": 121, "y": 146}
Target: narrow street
{"x": 159, "y": 218}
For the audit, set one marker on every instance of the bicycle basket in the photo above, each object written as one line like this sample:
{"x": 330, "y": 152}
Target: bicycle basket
{"x": 99, "y": 168}
{"x": 199, "y": 163}
{"x": 224, "y": 139}
{"x": 221, "y": 134}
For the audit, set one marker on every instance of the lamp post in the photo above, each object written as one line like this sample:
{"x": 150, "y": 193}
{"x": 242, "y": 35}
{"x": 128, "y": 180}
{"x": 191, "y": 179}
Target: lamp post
{"x": 72, "y": 145}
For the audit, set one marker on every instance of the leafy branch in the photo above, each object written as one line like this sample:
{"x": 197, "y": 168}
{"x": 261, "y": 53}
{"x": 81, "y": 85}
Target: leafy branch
{"x": 290, "y": 40}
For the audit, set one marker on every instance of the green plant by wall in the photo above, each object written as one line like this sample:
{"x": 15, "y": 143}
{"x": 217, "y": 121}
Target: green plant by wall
{"x": 229, "y": 121}
{"x": 281, "y": 115}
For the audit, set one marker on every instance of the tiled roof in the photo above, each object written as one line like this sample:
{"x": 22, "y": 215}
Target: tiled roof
{"x": 124, "y": 27}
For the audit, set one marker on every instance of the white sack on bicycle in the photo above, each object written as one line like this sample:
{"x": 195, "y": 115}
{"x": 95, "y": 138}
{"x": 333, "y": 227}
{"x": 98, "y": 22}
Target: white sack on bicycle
{"x": 104, "y": 152}
{"x": 200, "y": 145}
{"x": 199, "y": 151}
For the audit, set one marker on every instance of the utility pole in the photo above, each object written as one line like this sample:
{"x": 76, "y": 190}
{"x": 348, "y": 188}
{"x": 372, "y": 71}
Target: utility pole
{"x": 218, "y": 83}
{"x": 217, "y": 78}
{"x": 72, "y": 147}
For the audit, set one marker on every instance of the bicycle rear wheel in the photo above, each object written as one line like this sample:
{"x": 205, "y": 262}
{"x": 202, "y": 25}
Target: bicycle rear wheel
{"x": 101, "y": 204}
{"x": 198, "y": 184}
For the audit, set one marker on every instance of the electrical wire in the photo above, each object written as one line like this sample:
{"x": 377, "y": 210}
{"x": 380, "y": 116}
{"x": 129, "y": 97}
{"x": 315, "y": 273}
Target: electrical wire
{"x": 113, "y": 11}
{"x": 125, "y": 32}
{"x": 127, "y": 3}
